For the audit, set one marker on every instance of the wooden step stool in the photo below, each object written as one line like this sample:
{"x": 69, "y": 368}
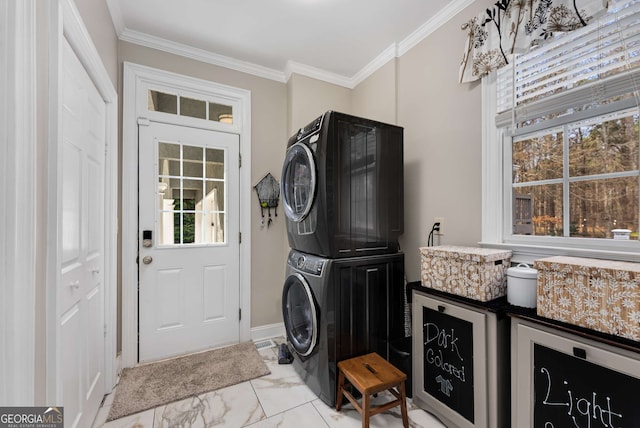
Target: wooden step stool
{"x": 371, "y": 374}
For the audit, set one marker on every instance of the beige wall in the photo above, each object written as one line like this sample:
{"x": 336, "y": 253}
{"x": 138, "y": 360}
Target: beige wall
{"x": 376, "y": 97}
{"x": 97, "y": 19}
{"x": 309, "y": 98}
{"x": 268, "y": 137}
{"x": 442, "y": 151}
{"x": 442, "y": 136}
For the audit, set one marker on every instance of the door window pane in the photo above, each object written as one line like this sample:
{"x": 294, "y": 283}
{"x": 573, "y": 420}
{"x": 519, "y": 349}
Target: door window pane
{"x": 192, "y": 189}
{"x": 191, "y": 208}
{"x": 215, "y": 196}
{"x": 185, "y": 225}
{"x": 168, "y": 159}
{"x": 192, "y": 161}
{"x": 214, "y": 228}
{"x": 215, "y": 164}
{"x": 215, "y": 203}
{"x": 166, "y": 214}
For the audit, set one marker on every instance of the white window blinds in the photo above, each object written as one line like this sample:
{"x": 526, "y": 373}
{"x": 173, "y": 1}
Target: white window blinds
{"x": 584, "y": 73}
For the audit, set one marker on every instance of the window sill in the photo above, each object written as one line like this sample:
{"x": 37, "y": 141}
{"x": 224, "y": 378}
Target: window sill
{"x": 528, "y": 253}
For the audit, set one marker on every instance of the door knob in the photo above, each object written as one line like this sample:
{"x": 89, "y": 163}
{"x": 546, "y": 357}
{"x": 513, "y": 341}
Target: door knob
{"x": 147, "y": 259}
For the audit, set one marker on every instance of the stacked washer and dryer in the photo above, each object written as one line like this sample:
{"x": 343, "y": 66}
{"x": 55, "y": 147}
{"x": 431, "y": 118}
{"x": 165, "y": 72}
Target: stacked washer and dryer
{"x": 343, "y": 296}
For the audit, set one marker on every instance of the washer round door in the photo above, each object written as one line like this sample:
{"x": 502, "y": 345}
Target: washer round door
{"x": 298, "y": 182}
{"x": 300, "y": 315}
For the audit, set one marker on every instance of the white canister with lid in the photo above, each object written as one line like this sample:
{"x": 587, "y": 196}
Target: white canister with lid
{"x": 521, "y": 285}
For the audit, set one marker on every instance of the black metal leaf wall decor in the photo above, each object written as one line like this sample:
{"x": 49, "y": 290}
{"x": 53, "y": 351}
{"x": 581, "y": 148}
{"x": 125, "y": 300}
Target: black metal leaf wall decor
{"x": 268, "y": 191}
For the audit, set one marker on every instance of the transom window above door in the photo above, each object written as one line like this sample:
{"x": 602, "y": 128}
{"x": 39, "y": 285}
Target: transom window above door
{"x": 189, "y": 106}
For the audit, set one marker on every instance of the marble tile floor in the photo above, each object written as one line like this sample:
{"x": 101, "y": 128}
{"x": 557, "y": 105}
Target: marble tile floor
{"x": 280, "y": 399}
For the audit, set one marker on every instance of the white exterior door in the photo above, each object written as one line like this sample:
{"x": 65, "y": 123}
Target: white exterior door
{"x": 188, "y": 240}
{"x": 81, "y": 291}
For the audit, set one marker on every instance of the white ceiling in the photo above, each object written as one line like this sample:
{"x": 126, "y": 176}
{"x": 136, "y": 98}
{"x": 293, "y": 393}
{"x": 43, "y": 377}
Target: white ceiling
{"x": 338, "y": 38}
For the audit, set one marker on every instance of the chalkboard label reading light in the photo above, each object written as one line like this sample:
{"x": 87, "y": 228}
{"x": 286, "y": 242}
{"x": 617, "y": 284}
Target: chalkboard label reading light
{"x": 571, "y": 391}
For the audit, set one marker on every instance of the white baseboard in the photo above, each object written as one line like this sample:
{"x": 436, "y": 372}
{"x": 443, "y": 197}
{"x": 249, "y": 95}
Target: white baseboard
{"x": 267, "y": 331}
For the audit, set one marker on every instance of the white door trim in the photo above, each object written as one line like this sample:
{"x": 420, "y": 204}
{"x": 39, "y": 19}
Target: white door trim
{"x": 65, "y": 22}
{"x": 18, "y": 177}
{"x": 136, "y": 79}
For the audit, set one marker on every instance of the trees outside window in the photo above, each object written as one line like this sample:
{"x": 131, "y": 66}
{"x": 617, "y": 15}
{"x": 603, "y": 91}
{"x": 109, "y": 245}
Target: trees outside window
{"x": 581, "y": 180}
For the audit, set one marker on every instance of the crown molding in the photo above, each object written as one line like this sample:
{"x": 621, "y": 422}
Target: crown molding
{"x": 438, "y": 20}
{"x": 385, "y": 56}
{"x": 393, "y": 51}
{"x": 202, "y": 55}
{"x": 398, "y": 49}
{"x": 116, "y": 16}
{"x": 317, "y": 73}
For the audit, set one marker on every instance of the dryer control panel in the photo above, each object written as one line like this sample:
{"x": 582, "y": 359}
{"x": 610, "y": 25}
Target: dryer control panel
{"x": 306, "y": 263}
{"x": 309, "y": 129}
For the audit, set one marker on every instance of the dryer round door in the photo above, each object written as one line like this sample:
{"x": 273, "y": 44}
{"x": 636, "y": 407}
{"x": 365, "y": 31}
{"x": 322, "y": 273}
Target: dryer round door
{"x": 298, "y": 182}
{"x": 300, "y": 315}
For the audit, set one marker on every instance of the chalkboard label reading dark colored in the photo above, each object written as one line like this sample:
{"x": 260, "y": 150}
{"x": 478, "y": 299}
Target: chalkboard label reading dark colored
{"x": 448, "y": 361}
{"x": 573, "y": 392}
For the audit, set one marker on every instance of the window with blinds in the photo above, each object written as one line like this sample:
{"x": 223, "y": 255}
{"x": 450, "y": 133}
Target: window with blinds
{"x": 579, "y": 74}
{"x": 571, "y": 108}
